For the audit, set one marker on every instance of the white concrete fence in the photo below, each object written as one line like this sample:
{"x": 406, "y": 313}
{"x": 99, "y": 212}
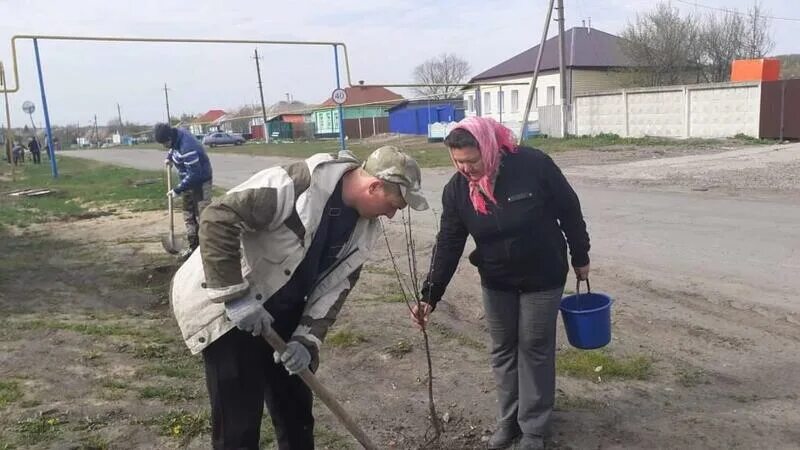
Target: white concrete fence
{"x": 689, "y": 111}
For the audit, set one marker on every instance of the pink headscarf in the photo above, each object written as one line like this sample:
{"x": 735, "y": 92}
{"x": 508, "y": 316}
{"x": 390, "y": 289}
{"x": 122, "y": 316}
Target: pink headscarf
{"x": 494, "y": 140}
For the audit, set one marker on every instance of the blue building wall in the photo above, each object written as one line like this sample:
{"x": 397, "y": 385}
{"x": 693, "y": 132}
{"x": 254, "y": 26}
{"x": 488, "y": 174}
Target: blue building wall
{"x": 414, "y": 118}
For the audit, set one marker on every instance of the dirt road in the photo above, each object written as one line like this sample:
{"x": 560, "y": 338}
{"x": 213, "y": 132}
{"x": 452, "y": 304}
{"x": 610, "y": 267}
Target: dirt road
{"x": 743, "y": 248}
{"x": 705, "y": 288}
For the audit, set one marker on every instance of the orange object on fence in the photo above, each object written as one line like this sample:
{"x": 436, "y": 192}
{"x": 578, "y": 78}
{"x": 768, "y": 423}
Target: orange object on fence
{"x": 767, "y": 69}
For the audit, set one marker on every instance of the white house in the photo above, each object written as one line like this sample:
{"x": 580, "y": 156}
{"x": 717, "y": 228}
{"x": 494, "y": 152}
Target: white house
{"x": 594, "y": 62}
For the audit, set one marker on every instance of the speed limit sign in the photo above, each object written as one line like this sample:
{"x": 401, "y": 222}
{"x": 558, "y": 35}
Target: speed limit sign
{"x": 339, "y": 96}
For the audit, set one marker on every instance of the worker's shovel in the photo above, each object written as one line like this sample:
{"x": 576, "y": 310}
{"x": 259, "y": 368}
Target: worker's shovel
{"x": 323, "y": 393}
{"x": 168, "y": 241}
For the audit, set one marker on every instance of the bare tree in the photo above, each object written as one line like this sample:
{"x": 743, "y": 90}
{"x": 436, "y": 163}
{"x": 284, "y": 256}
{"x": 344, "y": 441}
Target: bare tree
{"x": 757, "y": 39}
{"x": 673, "y": 49}
{"x": 722, "y": 41}
{"x": 664, "y": 43}
{"x": 448, "y": 69}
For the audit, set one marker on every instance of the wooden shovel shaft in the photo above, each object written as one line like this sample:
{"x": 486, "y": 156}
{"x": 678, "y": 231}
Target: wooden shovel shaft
{"x": 169, "y": 207}
{"x": 324, "y": 394}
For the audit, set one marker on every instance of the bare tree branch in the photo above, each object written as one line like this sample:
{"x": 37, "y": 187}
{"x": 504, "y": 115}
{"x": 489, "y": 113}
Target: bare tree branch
{"x": 446, "y": 68}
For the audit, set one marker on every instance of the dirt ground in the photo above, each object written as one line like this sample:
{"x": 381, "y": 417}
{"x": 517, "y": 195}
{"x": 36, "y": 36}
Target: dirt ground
{"x": 91, "y": 358}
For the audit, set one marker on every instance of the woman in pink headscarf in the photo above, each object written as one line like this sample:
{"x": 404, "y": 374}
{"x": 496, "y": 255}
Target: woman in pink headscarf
{"x": 518, "y": 207}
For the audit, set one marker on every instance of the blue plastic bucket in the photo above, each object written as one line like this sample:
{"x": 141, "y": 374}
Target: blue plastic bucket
{"x": 587, "y": 319}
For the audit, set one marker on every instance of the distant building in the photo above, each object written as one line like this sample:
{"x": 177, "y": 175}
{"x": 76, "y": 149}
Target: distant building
{"x": 366, "y": 113}
{"x": 206, "y": 123}
{"x": 414, "y": 116}
{"x": 594, "y": 62}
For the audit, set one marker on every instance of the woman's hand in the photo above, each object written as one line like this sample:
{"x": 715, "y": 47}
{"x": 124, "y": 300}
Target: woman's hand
{"x": 420, "y": 313}
{"x": 582, "y": 273}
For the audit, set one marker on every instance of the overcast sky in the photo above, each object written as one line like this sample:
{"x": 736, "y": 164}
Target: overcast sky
{"x": 385, "y": 39}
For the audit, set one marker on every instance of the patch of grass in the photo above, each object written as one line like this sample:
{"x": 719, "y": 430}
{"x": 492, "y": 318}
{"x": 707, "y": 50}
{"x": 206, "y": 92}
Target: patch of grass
{"x": 91, "y": 327}
{"x": 750, "y": 140}
{"x": 329, "y": 439}
{"x": 151, "y": 351}
{"x": 9, "y": 392}
{"x": 29, "y": 254}
{"x": 167, "y": 393}
{"x": 553, "y": 145}
{"x": 427, "y": 154}
{"x": 601, "y": 364}
{"x": 745, "y": 398}
{"x": 39, "y": 428}
{"x": 114, "y": 384}
{"x": 691, "y": 376}
{"x": 449, "y": 333}
{"x": 183, "y": 425}
{"x": 94, "y": 442}
{"x": 324, "y": 437}
{"x": 399, "y": 348}
{"x": 83, "y": 189}
{"x": 182, "y": 368}
{"x": 566, "y": 402}
{"x": 267, "y": 439}
{"x": 345, "y": 338}
{"x": 114, "y": 389}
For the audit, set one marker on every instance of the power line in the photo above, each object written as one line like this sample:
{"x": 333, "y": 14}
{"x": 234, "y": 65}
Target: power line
{"x": 733, "y": 11}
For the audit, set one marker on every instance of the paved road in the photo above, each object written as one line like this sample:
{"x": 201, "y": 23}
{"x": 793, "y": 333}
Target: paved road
{"x": 737, "y": 249}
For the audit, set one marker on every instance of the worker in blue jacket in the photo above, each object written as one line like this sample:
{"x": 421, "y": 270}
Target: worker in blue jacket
{"x": 194, "y": 168}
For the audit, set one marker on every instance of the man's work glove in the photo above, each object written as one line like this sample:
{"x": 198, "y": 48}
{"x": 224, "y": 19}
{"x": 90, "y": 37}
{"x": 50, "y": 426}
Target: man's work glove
{"x": 249, "y": 315}
{"x": 172, "y": 193}
{"x": 295, "y": 358}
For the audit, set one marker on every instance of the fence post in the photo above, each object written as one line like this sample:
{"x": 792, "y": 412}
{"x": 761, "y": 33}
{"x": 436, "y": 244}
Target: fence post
{"x": 687, "y": 115}
{"x": 626, "y": 125}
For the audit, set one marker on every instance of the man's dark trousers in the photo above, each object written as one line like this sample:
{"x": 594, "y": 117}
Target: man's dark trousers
{"x": 241, "y": 376}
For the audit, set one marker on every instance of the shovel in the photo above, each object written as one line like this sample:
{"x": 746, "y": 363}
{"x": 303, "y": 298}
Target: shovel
{"x": 308, "y": 377}
{"x": 168, "y": 242}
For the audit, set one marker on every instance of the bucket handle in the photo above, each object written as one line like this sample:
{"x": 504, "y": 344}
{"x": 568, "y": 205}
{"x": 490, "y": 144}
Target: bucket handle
{"x": 578, "y": 291}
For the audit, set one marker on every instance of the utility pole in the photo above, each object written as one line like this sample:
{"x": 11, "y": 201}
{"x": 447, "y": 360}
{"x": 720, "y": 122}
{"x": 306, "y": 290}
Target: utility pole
{"x": 561, "y": 69}
{"x": 96, "y": 135}
{"x": 532, "y": 85}
{"x": 119, "y": 115}
{"x": 166, "y": 99}
{"x": 261, "y": 92}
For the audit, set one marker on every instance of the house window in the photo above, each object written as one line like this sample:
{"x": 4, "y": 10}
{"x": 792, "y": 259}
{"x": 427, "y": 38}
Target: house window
{"x": 500, "y": 101}
{"x": 487, "y": 102}
{"x": 471, "y": 103}
{"x": 514, "y": 100}
{"x": 551, "y": 95}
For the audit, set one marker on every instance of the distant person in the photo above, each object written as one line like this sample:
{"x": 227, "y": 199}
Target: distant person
{"x": 18, "y": 153}
{"x": 190, "y": 159}
{"x": 518, "y": 207}
{"x": 36, "y": 151}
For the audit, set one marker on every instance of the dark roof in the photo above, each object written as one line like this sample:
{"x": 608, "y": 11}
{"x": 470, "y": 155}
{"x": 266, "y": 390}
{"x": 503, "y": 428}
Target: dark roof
{"x": 358, "y": 95}
{"x": 583, "y": 47}
{"x": 459, "y": 102}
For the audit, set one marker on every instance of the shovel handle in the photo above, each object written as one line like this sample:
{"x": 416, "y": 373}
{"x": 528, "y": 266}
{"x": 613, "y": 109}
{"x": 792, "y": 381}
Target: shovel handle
{"x": 169, "y": 207}
{"x": 323, "y": 393}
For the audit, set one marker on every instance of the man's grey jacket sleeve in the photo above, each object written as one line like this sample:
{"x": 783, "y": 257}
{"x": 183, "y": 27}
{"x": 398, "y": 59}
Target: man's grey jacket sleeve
{"x": 221, "y": 225}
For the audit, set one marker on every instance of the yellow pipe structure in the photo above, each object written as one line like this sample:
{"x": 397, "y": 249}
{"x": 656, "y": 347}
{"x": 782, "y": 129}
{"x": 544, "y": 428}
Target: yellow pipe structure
{"x": 15, "y": 66}
{"x": 411, "y": 85}
{"x": 9, "y": 133}
{"x": 143, "y": 39}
